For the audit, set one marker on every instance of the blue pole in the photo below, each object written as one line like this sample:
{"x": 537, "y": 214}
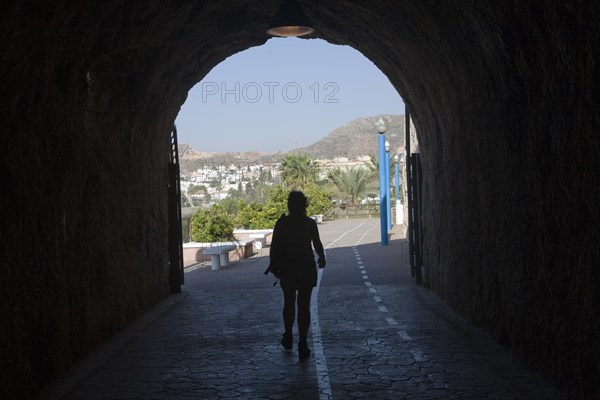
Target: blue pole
{"x": 388, "y": 190}
{"x": 382, "y": 192}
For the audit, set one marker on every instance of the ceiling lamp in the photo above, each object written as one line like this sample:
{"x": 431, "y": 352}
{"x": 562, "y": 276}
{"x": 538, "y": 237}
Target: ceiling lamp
{"x": 290, "y": 20}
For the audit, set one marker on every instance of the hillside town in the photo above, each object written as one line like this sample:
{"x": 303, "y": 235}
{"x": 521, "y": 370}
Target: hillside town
{"x": 218, "y": 181}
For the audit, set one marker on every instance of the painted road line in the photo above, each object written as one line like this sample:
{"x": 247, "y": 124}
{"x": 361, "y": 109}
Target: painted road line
{"x": 377, "y": 299}
{"x": 391, "y": 321}
{"x": 372, "y": 290}
{"x": 192, "y": 268}
{"x": 318, "y": 352}
{"x": 365, "y": 234}
{"x": 347, "y": 232}
{"x": 383, "y": 309}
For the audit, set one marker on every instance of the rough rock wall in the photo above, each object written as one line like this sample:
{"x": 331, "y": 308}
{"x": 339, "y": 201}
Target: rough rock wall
{"x": 510, "y": 147}
{"x": 505, "y": 96}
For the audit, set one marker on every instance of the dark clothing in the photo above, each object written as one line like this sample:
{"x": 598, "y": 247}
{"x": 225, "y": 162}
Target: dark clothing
{"x": 293, "y": 260}
{"x": 291, "y": 251}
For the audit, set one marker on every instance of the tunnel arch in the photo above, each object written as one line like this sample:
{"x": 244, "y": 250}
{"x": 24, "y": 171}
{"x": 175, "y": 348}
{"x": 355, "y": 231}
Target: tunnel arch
{"x": 504, "y": 97}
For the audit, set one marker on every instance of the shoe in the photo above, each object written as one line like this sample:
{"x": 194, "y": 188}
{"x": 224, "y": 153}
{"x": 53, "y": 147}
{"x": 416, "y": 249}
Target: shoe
{"x": 303, "y": 350}
{"x": 287, "y": 341}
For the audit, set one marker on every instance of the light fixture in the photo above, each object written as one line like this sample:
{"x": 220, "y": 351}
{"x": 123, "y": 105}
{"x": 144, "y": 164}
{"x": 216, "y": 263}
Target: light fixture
{"x": 381, "y": 125}
{"x": 387, "y": 146}
{"x": 290, "y": 20}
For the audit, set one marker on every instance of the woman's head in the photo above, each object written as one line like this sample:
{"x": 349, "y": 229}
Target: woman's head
{"x": 297, "y": 203}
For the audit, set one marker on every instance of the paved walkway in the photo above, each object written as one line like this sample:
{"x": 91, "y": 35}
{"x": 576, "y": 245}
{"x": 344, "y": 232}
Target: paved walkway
{"x": 375, "y": 335}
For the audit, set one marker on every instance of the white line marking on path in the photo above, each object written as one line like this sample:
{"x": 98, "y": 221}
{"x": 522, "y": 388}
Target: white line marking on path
{"x": 318, "y": 352}
{"x": 383, "y": 309}
{"x": 192, "y": 268}
{"x": 391, "y": 321}
{"x": 365, "y": 234}
{"x": 347, "y": 232}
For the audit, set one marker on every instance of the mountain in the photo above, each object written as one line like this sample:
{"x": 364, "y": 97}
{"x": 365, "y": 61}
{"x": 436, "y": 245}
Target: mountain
{"x": 356, "y": 138}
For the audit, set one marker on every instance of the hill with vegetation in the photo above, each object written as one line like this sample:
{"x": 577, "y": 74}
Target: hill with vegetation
{"x": 354, "y": 139}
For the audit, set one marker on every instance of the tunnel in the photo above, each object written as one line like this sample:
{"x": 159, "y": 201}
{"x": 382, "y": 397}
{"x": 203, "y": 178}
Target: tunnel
{"x": 504, "y": 96}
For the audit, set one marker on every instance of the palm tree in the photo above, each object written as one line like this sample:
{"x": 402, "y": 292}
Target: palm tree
{"x": 297, "y": 170}
{"x": 354, "y": 183}
{"x": 373, "y": 166}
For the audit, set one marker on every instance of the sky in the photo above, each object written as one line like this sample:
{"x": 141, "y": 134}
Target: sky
{"x": 285, "y": 94}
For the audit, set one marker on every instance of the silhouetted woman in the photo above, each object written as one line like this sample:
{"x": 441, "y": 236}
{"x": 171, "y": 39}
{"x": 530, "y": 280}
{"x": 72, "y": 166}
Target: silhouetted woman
{"x": 292, "y": 259}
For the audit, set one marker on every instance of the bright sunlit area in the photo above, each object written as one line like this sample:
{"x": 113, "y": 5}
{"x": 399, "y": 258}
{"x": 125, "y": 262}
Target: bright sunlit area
{"x": 285, "y": 94}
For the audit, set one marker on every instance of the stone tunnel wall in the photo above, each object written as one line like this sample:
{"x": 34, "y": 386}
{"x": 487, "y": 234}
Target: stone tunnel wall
{"x": 505, "y": 98}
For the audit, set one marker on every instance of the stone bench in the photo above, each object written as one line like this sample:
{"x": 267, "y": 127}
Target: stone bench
{"x": 261, "y": 237}
{"x": 193, "y": 252}
{"x": 219, "y": 254}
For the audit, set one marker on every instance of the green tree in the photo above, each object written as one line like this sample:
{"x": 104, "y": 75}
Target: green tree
{"x": 212, "y": 225}
{"x": 230, "y": 204}
{"x": 197, "y": 189}
{"x": 256, "y": 191}
{"x": 252, "y": 216}
{"x": 200, "y": 190}
{"x": 276, "y": 204}
{"x": 297, "y": 170}
{"x": 319, "y": 199}
{"x": 263, "y": 216}
{"x": 373, "y": 166}
{"x": 353, "y": 184}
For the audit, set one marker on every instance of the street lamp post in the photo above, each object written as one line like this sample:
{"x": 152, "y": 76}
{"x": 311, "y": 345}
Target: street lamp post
{"x": 387, "y": 185}
{"x": 381, "y": 128}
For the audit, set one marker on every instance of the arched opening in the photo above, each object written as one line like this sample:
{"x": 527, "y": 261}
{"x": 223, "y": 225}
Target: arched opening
{"x": 505, "y": 143}
{"x": 285, "y": 95}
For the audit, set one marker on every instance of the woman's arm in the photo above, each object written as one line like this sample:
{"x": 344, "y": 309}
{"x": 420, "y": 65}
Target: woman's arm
{"x": 276, "y": 250}
{"x": 316, "y": 240}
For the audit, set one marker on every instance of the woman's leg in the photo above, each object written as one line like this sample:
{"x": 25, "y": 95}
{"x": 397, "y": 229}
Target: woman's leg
{"x": 289, "y": 308}
{"x": 304, "y": 294}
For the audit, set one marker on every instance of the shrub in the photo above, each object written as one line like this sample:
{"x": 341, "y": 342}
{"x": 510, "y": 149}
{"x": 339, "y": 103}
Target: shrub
{"x": 212, "y": 225}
